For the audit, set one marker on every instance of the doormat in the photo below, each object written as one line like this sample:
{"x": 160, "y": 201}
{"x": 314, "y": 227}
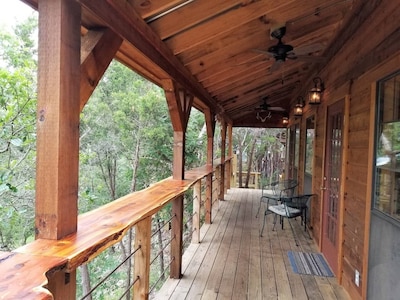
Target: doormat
{"x": 309, "y": 263}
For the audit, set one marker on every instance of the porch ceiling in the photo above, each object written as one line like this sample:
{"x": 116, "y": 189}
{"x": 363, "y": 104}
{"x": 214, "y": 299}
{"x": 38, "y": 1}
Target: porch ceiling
{"x": 210, "y": 47}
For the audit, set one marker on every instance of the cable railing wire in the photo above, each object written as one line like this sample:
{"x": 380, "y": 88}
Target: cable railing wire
{"x": 161, "y": 250}
{"x": 161, "y": 276}
{"x": 167, "y": 222}
{"x": 111, "y": 273}
{"x": 129, "y": 288}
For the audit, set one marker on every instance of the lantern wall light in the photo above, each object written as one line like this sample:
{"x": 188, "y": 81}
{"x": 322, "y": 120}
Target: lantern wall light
{"x": 315, "y": 94}
{"x": 298, "y": 109}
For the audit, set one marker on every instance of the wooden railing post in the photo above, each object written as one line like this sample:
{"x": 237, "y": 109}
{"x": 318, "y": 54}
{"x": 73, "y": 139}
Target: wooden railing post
{"x": 256, "y": 180}
{"x": 176, "y": 237}
{"x": 209, "y": 199}
{"x": 196, "y": 212}
{"x": 218, "y": 179}
{"x": 234, "y": 171}
{"x": 227, "y": 176}
{"x": 142, "y": 259}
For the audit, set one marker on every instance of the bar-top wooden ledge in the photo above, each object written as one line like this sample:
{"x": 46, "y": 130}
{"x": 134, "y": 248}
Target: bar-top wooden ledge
{"x": 23, "y": 276}
{"x": 97, "y": 230}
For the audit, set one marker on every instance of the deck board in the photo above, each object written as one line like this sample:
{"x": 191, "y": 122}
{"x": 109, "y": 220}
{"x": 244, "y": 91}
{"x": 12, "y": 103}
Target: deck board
{"x": 234, "y": 262}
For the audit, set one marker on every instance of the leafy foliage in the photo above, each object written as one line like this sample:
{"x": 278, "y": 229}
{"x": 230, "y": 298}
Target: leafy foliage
{"x": 17, "y": 134}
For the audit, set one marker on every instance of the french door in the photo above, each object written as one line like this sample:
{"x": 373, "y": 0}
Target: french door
{"x": 332, "y": 183}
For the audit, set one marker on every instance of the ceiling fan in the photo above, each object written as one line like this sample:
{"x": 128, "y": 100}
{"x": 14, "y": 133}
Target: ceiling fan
{"x": 264, "y": 106}
{"x": 281, "y": 52}
{"x": 264, "y": 110}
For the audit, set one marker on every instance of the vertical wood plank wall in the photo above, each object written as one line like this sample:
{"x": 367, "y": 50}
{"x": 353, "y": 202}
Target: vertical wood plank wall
{"x": 361, "y": 62}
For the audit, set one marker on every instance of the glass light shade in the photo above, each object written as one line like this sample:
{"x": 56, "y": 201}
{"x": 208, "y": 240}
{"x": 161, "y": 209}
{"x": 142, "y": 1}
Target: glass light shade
{"x": 298, "y": 110}
{"x": 285, "y": 120}
{"x": 314, "y": 96}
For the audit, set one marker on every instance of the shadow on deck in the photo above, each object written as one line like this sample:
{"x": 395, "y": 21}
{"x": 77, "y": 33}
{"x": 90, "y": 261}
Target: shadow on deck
{"x": 234, "y": 262}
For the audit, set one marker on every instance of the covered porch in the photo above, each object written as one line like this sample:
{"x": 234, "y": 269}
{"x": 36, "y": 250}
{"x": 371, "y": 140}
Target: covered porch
{"x": 232, "y": 261}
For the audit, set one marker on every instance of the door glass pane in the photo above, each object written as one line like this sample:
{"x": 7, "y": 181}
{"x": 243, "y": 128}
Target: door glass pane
{"x": 309, "y": 155}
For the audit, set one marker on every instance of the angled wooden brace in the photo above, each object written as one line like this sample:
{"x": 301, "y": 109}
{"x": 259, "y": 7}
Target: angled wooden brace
{"x": 98, "y": 48}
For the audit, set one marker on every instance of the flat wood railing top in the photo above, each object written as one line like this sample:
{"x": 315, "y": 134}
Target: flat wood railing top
{"x": 23, "y": 275}
{"x": 97, "y": 230}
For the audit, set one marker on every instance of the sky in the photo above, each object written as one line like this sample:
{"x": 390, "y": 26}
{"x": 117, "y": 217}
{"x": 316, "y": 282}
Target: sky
{"x": 12, "y": 11}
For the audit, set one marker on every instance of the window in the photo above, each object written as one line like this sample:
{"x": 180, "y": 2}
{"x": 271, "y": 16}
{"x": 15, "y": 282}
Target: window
{"x": 387, "y": 152}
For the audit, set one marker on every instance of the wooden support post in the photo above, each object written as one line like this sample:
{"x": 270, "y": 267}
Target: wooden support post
{"x": 230, "y": 153}
{"x": 58, "y": 128}
{"x": 179, "y": 106}
{"x": 196, "y": 212}
{"x": 210, "y": 125}
{"x": 142, "y": 259}
{"x": 222, "y": 167}
{"x": 208, "y": 200}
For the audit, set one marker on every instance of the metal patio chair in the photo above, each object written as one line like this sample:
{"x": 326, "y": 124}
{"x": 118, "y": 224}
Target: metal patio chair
{"x": 288, "y": 207}
{"x": 276, "y": 190}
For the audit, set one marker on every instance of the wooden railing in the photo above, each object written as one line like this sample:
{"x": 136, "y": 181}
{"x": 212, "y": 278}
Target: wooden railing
{"x": 254, "y": 181}
{"x": 26, "y": 270}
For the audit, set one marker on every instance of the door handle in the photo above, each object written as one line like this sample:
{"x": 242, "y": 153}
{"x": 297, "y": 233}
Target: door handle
{"x": 322, "y": 188}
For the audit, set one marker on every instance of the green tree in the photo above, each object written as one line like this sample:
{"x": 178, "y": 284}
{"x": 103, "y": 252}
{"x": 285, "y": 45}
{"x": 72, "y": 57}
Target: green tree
{"x": 17, "y": 133}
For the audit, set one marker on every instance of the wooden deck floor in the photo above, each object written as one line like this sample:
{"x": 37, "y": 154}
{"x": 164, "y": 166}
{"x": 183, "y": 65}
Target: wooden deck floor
{"x": 234, "y": 262}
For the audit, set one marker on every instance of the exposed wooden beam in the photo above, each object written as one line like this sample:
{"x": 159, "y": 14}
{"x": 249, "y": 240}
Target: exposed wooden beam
{"x": 123, "y": 20}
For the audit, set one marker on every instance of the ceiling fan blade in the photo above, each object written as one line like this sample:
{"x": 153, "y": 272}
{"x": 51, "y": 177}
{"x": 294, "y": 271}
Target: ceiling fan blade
{"x": 309, "y": 48}
{"x": 262, "y": 52}
{"x": 275, "y": 66}
{"x": 310, "y": 58}
{"x": 276, "y": 108}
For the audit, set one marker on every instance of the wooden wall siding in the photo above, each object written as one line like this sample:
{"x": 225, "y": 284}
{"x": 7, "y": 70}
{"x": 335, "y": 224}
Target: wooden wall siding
{"x": 351, "y": 71}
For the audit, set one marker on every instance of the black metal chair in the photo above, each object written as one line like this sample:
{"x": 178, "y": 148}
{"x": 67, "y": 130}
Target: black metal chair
{"x": 277, "y": 189}
{"x": 289, "y": 207}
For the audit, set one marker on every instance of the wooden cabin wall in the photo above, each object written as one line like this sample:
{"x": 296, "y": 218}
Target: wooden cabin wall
{"x": 372, "y": 52}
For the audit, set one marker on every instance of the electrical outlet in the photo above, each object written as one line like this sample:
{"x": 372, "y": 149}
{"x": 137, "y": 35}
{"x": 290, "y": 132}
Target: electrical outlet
{"x": 357, "y": 278}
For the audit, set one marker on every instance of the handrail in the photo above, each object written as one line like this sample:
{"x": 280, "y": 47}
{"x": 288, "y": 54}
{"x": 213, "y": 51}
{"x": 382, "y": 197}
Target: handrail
{"x": 97, "y": 230}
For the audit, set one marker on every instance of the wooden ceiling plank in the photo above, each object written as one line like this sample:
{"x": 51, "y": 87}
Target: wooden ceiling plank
{"x": 246, "y": 59}
{"x": 278, "y": 13}
{"x": 150, "y": 8}
{"x": 253, "y": 29}
{"x": 223, "y": 24}
{"x": 214, "y": 63}
{"x": 237, "y": 72}
{"x": 251, "y": 79}
{"x": 190, "y": 15}
{"x": 250, "y": 84}
{"x": 229, "y": 80}
{"x": 239, "y": 44}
